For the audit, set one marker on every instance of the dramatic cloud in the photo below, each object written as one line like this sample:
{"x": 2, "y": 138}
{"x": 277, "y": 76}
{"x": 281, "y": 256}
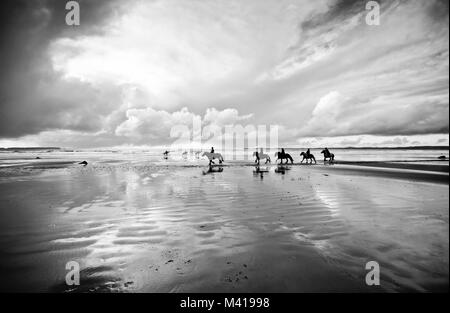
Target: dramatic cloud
{"x": 133, "y": 69}
{"x": 337, "y": 115}
{"x": 34, "y": 97}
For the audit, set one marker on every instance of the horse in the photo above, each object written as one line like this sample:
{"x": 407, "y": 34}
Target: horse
{"x": 212, "y": 156}
{"x": 260, "y": 156}
{"x": 284, "y": 156}
{"x": 327, "y": 155}
{"x": 307, "y": 157}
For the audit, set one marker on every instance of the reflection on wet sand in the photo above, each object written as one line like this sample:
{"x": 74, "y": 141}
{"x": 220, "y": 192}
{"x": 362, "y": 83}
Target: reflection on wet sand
{"x": 281, "y": 169}
{"x": 162, "y": 229}
{"x": 213, "y": 169}
{"x": 260, "y": 170}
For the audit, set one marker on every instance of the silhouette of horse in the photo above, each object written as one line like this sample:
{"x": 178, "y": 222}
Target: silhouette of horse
{"x": 307, "y": 157}
{"x": 283, "y": 156}
{"x": 260, "y": 156}
{"x": 212, "y": 156}
{"x": 327, "y": 155}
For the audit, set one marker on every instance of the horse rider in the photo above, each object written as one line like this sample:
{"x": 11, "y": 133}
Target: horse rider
{"x": 212, "y": 149}
{"x": 282, "y": 151}
{"x": 308, "y": 152}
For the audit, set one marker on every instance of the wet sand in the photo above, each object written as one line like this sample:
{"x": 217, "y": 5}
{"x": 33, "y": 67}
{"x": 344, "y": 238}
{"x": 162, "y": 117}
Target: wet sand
{"x": 138, "y": 228}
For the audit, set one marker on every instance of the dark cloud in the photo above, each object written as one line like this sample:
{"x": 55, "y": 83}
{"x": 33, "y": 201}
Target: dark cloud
{"x": 439, "y": 10}
{"x": 33, "y": 98}
{"x": 338, "y": 11}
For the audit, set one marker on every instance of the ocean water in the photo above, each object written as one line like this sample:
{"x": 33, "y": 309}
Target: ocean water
{"x": 237, "y": 157}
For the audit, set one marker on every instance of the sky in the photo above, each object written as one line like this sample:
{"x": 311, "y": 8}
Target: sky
{"x": 133, "y": 70}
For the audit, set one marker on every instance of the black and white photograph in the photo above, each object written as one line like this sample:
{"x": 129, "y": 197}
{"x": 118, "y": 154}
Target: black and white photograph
{"x": 234, "y": 147}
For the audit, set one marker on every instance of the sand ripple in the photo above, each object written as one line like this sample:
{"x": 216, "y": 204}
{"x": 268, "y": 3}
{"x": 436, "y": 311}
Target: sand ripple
{"x": 187, "y": 229}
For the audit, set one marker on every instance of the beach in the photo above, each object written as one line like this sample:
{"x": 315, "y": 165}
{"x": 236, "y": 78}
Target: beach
{"x": 172, "y": 226}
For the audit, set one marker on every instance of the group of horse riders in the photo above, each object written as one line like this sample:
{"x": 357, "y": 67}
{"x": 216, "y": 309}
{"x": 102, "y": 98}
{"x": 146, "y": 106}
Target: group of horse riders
{"x": 280, "y": 156}
{"x": 286, "y": 156}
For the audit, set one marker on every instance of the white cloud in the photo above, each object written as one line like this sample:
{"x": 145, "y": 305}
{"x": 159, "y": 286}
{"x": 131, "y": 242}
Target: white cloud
{"x": 339, "y": 115}
{"x": 155, "y": 126}
{"x": 225, "y": 117}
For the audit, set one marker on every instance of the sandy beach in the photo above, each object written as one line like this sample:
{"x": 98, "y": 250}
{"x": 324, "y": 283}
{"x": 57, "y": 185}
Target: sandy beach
{"x": 135, "y": 227}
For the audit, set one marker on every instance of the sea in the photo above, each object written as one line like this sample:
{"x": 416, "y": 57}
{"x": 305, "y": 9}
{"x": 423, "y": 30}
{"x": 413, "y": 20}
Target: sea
{"x": 181, "y": 157}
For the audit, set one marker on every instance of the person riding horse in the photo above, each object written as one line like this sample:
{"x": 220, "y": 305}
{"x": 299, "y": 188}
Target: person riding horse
{"x": 284, "y": 156}
{"x": 261, "y": 155}
{"x": 327, "y": 155}
{"x": 308, "y": 156}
